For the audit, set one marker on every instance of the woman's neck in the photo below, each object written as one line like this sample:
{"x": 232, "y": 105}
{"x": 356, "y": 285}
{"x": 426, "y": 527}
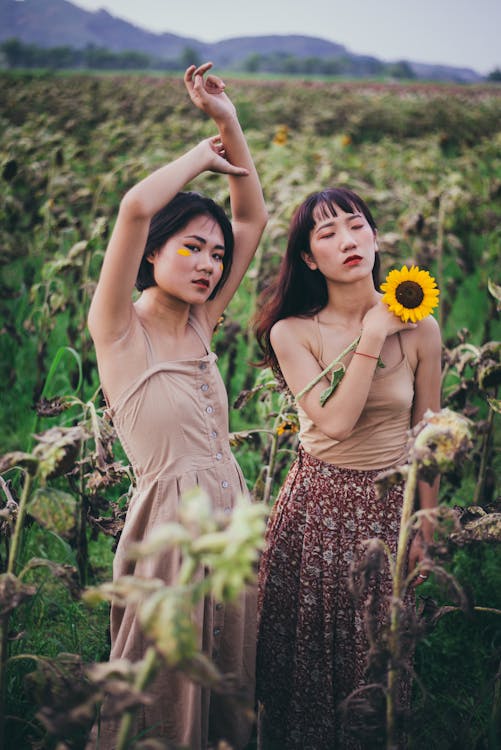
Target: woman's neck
{"x": 158, "y": 309}
{"x": 348, "y": 303}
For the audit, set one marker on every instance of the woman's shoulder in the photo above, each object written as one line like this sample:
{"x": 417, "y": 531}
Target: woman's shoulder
{"x": 428, "y": 332}
{"x": 291, "y": 330}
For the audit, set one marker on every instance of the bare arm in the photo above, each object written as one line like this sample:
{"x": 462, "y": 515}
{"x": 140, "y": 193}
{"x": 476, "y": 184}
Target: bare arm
{"x": 111, "y": 309}
{"x": 290, "y": 341}
{"x": 248, "y": 209}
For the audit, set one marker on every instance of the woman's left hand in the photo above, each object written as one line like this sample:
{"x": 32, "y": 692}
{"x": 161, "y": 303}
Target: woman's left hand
{"x": 417, "y": 554}
{"x": 207, "y": 92}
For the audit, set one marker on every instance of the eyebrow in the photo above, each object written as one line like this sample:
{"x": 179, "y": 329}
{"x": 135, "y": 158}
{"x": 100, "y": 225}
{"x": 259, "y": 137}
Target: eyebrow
{"x": 203, "y": 241}
{"x": 332, "y": 222}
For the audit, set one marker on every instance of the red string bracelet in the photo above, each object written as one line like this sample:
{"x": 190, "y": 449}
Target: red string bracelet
{"x": 371, "y": 356}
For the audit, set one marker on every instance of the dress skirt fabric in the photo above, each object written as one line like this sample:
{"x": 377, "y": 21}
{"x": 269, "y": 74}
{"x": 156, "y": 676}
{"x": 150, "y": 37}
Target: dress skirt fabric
{"x": 312, "y": 646}
{"x": 172, "y": 422}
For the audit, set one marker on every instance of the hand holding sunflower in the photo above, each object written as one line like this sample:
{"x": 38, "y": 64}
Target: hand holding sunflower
{"x": 411, "y": 294}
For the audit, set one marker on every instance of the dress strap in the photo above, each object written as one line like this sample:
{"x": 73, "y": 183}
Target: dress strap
{"x": 320, "y": 341}
{"x": 150, "y": 355}
{"x": 194, "y": 323}
{"x": 400, "y": 344}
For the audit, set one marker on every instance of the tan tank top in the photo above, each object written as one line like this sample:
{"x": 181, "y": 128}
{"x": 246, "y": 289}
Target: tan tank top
{"x": 379, "y": 438}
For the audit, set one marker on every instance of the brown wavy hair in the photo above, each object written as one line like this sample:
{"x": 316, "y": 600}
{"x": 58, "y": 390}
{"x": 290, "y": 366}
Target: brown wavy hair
{"x": 298, "y": 290}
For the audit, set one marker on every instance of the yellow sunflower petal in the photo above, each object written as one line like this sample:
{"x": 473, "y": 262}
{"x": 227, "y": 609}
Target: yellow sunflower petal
{"x": 411, "y": 293}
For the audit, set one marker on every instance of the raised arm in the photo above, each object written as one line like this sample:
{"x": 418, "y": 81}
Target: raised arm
{"x": 111, "y": 309}
{"x": 248, "y": 209}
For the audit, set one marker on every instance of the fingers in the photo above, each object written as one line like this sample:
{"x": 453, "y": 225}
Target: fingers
{"x": 216, "y": 145}
{"x": 225, "y": 166}
{"x": 194, "y": 79}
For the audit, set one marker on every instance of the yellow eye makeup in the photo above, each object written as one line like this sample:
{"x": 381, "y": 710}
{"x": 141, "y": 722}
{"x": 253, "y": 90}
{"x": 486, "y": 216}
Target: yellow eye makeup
{"x": 183, "y": 251}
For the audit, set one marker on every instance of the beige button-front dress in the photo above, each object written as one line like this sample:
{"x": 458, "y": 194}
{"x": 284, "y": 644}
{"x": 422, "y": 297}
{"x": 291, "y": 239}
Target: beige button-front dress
{"x": 173, "y": 424}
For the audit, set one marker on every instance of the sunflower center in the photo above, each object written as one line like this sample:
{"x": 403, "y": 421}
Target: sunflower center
{"x": 410, "y": 294}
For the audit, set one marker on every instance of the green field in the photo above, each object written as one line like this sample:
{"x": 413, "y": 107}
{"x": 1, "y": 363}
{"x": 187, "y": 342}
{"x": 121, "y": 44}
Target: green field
{"x": 426, "y": 158}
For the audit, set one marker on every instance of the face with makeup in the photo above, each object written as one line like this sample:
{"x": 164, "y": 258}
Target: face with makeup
{"x": 342, "y": 245}
{"x": 190, "y": 264}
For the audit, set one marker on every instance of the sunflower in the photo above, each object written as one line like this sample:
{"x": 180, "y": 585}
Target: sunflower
{"x": 411, "y": 294}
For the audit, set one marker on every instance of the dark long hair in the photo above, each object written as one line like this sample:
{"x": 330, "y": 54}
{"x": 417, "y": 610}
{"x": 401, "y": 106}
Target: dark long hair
{"x": 171, "y": 219}
{"x": 298, "y": 290}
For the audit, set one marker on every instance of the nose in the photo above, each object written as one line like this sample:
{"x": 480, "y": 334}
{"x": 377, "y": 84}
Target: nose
{"x": 204, "y": 262}
{"x": 348, "y": 241}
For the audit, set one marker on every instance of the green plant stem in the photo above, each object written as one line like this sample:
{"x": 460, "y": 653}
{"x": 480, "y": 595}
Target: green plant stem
{"x": 329, "y": 367}
{"x": 4, "y": 621}
{"x": 398, "y": 577}
{"x": 479, "y": 487}
{"x": 4, "y": 630}
{"x": 142, "y": 679}
{"x": 21, "y": 514}
{"x": 270, "y": 469}
{"x": 495, "y": 723}
{"x": 440, "y": 254}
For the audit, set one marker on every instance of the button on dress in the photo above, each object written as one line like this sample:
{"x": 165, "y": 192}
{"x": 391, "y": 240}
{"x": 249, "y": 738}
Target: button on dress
{"x": 172, "y": 422}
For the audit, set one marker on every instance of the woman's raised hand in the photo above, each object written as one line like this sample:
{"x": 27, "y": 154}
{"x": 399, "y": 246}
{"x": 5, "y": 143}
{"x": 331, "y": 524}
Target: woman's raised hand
{"x": 216, "y": 157}
{"x": 207, "y": 92}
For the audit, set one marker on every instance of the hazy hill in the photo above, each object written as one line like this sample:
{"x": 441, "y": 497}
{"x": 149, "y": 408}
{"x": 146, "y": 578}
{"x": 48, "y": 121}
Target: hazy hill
{"x": 57, "y": 23}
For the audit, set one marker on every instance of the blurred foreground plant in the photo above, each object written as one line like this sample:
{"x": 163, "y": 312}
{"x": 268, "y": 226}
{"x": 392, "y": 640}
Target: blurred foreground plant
{"x": 226, "y": 547}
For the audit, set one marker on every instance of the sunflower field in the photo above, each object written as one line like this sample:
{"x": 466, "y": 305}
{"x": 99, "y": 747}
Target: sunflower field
{"x": 427, "y": 160}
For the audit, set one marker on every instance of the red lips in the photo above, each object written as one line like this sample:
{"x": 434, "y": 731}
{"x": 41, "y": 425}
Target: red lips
{"x": 202, "y": 282}
{"x": 352, "y": 260}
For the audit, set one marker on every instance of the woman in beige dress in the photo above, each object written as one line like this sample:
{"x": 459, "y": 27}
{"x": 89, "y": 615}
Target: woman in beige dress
{"x": 167, "y": 399}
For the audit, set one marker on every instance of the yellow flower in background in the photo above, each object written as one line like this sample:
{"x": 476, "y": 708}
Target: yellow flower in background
{"x": 287, "y": 426}
{"x": 346, "y": 140}
{"x": 281, "y": 135}
{"x": 411, "y": 294}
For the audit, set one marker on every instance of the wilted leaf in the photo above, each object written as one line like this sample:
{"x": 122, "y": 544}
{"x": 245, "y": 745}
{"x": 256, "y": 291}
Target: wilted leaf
{"x": 337, "y": 376}
{"x": 65, "y": 697}
{"x": 485, "y": 529}
{"x": 20, "y": 459}
{"x": 13, "y": 592}
{"x": 54, "y": 510}
{"x": 495, "y": 404}
{"x": 495, "y": 290}
{"x": 57, "y": 450}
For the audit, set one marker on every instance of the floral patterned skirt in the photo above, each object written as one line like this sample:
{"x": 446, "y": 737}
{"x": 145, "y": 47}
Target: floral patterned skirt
{"x": 312, "y": 642}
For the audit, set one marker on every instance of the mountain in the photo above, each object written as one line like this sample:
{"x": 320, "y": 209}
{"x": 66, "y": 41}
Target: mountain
{"x": 60, "y": 23}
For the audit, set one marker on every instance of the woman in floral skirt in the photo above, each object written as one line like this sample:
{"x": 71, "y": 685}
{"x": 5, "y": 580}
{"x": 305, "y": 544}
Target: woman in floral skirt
{"x": 312, "y": 645}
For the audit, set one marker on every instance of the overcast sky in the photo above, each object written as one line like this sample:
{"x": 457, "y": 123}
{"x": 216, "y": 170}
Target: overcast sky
{"x": 465, "y": 33}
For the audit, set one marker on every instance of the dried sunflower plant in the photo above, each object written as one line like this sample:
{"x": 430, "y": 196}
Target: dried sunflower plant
{"x": 438, "y": 444}
{"x": 32, "y": 483}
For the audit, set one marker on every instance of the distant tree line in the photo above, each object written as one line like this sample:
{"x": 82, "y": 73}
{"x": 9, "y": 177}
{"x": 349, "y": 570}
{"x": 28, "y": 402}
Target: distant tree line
{"x": 281, "y": 62}
{"x": 16, "y": 54}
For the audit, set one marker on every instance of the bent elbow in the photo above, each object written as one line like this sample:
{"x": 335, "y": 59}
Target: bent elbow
{"x": 134, "y": 206}
{"x": 337, "y": 435}
{"x": 337, "y": 432}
